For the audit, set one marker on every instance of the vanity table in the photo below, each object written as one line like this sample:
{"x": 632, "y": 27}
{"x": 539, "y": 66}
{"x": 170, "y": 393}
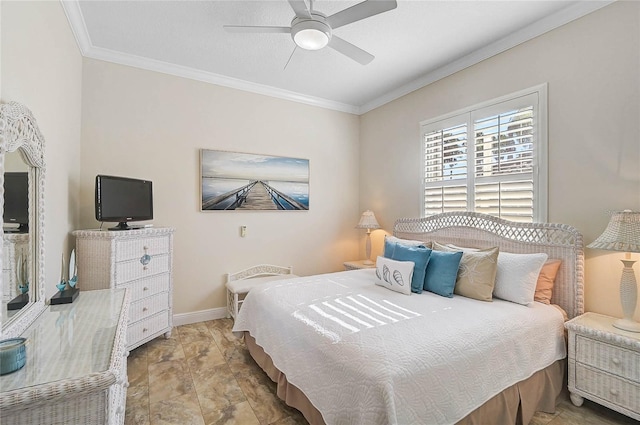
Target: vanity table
{"x": 76, "y": 368}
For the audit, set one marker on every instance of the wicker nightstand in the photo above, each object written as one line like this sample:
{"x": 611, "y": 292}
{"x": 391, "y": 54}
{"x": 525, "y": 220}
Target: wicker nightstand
{"x": 359, "y": 264}
{"x": 604, "y": 364}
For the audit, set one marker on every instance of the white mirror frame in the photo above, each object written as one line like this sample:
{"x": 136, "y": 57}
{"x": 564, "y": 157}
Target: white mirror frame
{"x": 19, "y": 131}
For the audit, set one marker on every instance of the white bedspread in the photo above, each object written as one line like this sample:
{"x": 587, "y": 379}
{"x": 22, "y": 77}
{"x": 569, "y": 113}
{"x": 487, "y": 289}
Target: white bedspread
{"x": 363, "y": 354}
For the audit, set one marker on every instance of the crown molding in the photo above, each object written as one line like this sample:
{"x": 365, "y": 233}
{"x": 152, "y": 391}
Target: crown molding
{"x": 87, "y": 49}
{"x": 562, "y": 17}
{"x": 78, "y": 26}
{"x": 209, "y": 77}
{"x": 527, "y": 33}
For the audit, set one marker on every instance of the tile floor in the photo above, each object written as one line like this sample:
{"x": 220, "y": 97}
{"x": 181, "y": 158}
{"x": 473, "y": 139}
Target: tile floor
{"x": 204, "y": 375}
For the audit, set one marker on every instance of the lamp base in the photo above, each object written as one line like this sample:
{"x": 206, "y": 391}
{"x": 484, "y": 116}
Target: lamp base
{"x": 628, "y": 297}
{"x": 368, "y": 263}
{"x": 627, "y": 325}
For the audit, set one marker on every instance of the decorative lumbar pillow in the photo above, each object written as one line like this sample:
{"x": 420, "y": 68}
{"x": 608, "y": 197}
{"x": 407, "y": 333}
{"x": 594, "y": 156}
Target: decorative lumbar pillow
{"x": 419, "y": 255}
{"x": 546, "y": 281}
{"x": 477, "y": 272}
{"x": 394, "y": 275}
{"x": 390, "y": 241}
{"x": 462, "y": 248}
{"x": 517, "y": 276}
{"x": 442, "y": 271}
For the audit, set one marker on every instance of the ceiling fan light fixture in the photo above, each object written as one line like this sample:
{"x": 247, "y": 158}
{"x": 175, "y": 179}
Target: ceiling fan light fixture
{"x": 311, "y": 35}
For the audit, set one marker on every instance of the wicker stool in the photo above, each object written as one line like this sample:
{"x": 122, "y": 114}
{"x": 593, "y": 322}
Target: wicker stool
{"x": 239, "y": 284}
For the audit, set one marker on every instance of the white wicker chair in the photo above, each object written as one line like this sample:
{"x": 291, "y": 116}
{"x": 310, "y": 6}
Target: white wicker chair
{"x": 240, "y": 283}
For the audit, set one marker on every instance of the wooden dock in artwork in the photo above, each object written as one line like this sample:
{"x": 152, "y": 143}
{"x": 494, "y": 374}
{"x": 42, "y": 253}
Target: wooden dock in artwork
{"x": 256, "y": 195}
{"x": 258, "y": 199}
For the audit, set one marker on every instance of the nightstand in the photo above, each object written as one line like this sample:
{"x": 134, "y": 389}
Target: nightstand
{"x": 604, "y": 364}
{"x": 359, "y": 264}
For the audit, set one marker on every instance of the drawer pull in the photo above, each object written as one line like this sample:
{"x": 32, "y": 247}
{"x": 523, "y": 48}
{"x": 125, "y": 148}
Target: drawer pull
{"x": 144, "y": 329}
{"x": 613, "y": 391}
{"x": 145, "y": 268}
{"x": 144, "y": 309}
{"x": 615, "y": 361}
{"x": 145, "y": 288}
{"x": 146, "y": 258}
{"x": 145, "y": 248}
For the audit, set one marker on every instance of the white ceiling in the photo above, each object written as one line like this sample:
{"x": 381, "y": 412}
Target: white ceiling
{"x": 414, "y": 44}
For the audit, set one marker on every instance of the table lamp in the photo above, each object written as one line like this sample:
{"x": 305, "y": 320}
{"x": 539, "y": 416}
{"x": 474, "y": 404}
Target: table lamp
{"x": 368, "y": 221}
{"x": 623, "y": 234}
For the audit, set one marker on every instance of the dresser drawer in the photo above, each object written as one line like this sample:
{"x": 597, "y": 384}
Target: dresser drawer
{"x": 616, "y": 360}
{"x": 147, "y": 327}
{"x": 147, "y": 287}
{"x": 130, "y": 249}
{"x": 148, "y": 306}
{"x": 127, "y": 271}
{"x": 608, "y": 387}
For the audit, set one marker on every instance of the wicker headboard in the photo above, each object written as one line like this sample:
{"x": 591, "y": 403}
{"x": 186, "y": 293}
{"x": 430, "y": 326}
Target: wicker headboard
{"x": 558, "y": 241}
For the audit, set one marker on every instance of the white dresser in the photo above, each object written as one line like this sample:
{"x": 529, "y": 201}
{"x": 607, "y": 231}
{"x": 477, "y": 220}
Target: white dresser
{"x": 13, "y": 245}
{"x": 76, "y": 368}
{"x": 604, "y": 364}
{"x": 139, "y": 260}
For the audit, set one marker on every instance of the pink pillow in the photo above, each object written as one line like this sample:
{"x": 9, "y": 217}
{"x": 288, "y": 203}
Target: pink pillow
{"x": 546, "y": 280}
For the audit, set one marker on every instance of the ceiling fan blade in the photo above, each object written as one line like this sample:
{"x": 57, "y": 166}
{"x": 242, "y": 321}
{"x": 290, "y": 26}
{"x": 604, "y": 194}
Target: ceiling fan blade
{"x": 351, "y": 51}
{"x": 240, "y": 28}
{"x": 300, "y": 8}
{"x": 360, "y": 11}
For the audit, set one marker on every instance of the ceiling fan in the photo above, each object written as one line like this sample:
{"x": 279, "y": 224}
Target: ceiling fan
{"x": 312, "y": 30}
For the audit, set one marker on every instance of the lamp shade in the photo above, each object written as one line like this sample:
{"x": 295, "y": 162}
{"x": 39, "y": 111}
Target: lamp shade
{"x": 368, "y": 221}
{"x": 622, "y": 233}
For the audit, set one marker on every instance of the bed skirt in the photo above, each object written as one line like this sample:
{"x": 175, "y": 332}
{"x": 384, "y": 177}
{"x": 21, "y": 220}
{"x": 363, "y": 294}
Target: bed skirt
{"x": 515, "y": 405}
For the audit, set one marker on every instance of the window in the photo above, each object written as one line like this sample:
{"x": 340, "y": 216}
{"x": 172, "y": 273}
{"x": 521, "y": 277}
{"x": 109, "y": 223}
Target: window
{"x": 490, "y": 158}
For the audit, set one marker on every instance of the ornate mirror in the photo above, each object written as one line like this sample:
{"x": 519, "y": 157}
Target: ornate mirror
{"x": 22, "y": 175}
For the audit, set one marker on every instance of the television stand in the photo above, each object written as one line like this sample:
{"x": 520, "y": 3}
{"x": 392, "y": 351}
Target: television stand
{"x": 139, "y": 260}
{"x": 126, "y": 226}
{"x": 121, "y": 226}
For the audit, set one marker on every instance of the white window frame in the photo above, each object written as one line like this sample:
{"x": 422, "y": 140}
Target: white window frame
{"x": 538, "y": 95}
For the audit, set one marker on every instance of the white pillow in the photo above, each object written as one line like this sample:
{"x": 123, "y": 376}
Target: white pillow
{"x": 517, "y": 276}
{"x": 394, "y": 275}
{"x": 409, "y": 242}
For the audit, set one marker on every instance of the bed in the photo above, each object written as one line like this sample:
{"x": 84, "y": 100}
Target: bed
{"x": 345, "y": 351}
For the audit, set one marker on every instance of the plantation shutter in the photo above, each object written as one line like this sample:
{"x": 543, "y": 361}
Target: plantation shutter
{"x": 446, "y": 163}
{"x": 487, "y": 159}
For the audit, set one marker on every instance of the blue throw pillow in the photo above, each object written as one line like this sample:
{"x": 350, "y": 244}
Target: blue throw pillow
{"x": 440, "y": 277}
{"x": 389, "y": 247}
{"x": 420, "y": 257}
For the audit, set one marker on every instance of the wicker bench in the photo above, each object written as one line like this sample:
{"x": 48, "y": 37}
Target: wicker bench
{"x": 240, "y": 283}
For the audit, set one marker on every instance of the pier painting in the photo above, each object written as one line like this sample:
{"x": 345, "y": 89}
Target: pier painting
{"x": 241, "y": 181}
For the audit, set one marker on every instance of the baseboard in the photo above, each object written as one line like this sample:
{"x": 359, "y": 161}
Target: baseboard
{"x": 199, "y": 316}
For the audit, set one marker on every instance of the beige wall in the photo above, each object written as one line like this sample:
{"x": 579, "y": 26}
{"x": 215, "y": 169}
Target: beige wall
{"x": 143, "y": 124}
{"x": 41, "y": 67}
{"x": 592, "y": 67}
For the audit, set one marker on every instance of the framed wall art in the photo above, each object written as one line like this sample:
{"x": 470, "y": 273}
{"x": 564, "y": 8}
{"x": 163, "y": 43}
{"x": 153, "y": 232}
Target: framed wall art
{"x": 242, "y": 181}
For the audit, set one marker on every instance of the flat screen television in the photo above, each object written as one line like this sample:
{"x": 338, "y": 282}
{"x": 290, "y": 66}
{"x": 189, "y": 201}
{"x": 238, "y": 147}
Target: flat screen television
{"x": 122, "y": 199}
{"x": 16, "y": 201}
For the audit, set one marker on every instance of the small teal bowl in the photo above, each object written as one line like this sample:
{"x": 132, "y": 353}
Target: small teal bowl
{"x": 13, "y": 355}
